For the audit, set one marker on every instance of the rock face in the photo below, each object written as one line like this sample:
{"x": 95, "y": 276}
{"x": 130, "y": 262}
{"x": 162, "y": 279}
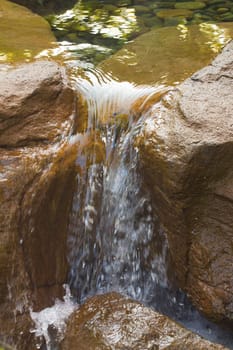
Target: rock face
{"x": 23, "y": 33}
{"x": 186, "y": 150}
{"x": 35, "y": 104}
{"x": 36, "y": 185}
{"x": 113, "y": 322}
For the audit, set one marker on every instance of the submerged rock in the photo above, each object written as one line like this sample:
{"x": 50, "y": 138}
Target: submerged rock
{"x": 190, "y": 5}
{"x": 168, "y": 13}
{"x": 186, "y": 150}
{"x": 23, "y": 33}
{"x": 168, "y": 55}
{"x": 112, "y": 321}
{"x": 36, "y": 185}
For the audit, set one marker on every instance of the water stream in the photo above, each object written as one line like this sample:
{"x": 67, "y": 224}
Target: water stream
{"x": 115, "y": 240}
{"x": 112, "y": 227}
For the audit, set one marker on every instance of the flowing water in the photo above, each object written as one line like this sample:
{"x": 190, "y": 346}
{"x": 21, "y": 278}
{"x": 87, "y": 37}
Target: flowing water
{"x": 115, "y": 241}
{"x": 112, "y": 226}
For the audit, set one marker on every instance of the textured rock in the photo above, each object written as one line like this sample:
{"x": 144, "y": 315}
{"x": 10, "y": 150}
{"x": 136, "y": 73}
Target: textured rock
{"x": 23, "y": 33}
{"x": 167, "y": 55}
{"x": 36, "y": 186}
{"x": 186, "y": 149}
{"x": 113, "y": 322}
{"x": 35, "y": 104}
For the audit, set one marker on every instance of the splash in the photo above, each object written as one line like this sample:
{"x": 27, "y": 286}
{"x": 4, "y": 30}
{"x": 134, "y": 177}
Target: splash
{"x": 53, "y": 320}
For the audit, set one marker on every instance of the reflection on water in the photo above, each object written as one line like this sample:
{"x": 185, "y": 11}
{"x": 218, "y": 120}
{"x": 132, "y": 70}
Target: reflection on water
{"x": 92, "y": 31}
{"x": 168, "y": 55}
{"x": 22, "y": 33}
{"x": 112, "y": 23}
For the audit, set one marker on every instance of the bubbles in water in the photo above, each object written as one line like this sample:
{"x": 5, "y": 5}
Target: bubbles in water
{"x": 53, "y": 320}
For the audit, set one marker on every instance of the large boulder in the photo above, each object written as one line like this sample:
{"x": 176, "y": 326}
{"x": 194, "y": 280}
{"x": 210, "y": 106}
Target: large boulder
{"x": 112, "y": 321}
{"x": 35, "y": 104}
{"x": 36, "y": 188}
{"x": 186, "y": 149}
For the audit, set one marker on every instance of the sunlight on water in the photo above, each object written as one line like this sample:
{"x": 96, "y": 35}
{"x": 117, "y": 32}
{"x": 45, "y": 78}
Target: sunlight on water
{"x": 83, "y": 17}
{"x": 107, "y": 97}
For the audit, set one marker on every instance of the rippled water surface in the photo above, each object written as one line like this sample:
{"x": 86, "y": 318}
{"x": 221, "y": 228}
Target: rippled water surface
{"x": 96, "y": 29}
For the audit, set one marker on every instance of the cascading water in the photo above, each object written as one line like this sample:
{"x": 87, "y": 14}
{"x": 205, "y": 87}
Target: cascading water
{"x": 115, "y": 240}
{"x": 112, "y": 227}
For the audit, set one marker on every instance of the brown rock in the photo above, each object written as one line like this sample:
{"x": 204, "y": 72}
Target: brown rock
{"x": 186, "y": 149}
{"x": 113, "y": 322}
{"x": 35, "y": 104}
{"x": 36, "y": 188}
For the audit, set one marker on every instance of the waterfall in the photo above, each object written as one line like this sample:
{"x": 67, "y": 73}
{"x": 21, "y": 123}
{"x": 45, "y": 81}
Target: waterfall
{"x": 115, "y": 240}
{"x": 114, "y": 235}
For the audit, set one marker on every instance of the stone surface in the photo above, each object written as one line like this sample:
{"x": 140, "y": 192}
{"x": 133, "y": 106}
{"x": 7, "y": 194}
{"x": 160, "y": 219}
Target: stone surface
{"x": 35, "y": 104}
{"x": 23, "y": 33}
{"x": 113, "y": 322}
{"x": 186, "y": 151}
{"x": 37, "y": 178}
{"x": 168, "y": 55}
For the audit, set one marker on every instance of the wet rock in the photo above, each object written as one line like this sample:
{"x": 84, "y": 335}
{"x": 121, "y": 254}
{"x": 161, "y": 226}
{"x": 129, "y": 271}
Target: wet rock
{"x": 186, "y": 149}
{"x": 23, "y": 33}
{"x": 113, "y": 322}
{"x": 37, "y": 166}
{"x": 35, "y": 104}
{"x": 167, "y": 55}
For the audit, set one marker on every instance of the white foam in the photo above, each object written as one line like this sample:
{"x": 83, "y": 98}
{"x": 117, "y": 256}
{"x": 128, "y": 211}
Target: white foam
{"x": 55, "y": 316}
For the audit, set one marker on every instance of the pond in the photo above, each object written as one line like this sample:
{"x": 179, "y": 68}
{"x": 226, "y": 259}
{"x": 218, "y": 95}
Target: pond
{"x": 94, "y": 30}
